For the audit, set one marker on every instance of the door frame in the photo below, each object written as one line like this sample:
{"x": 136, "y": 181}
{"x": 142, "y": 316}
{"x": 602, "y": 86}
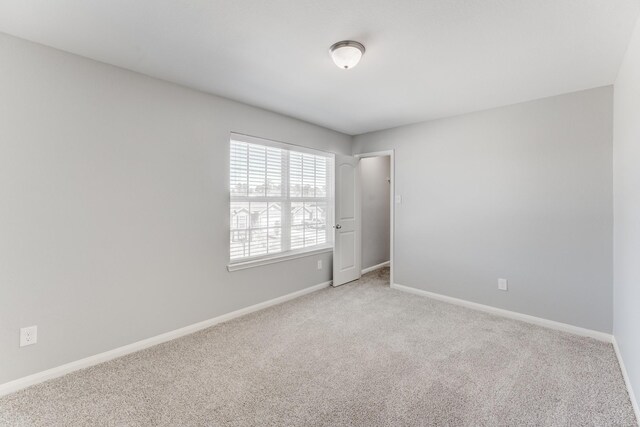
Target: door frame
{"x": 392, "y": 207}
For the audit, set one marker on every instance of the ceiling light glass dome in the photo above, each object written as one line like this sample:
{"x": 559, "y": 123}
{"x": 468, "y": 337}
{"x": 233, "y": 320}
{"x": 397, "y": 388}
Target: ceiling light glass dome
{"x": 346, "y": 54}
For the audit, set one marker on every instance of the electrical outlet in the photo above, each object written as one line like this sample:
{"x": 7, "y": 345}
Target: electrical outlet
{"x": 28, "y": 335}
{"x": 503, "y": 285}
{"x": 319, "y": 264}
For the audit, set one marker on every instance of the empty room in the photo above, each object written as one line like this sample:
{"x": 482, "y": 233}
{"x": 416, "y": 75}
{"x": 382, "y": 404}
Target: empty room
{"x": 320, "y": 213}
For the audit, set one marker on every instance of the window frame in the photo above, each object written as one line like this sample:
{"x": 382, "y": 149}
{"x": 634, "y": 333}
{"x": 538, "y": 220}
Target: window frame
{"x": 285, "y": 199}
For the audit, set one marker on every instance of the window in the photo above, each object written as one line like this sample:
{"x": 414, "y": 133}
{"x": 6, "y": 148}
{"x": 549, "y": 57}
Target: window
{"x": 281, "y": 199}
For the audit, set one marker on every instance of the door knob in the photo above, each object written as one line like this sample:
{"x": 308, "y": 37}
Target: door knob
{"x": 338, "y": 226}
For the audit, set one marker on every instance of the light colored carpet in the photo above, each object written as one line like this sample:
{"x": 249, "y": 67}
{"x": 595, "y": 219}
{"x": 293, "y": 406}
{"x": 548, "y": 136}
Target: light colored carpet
{"x": 361, "y": 354}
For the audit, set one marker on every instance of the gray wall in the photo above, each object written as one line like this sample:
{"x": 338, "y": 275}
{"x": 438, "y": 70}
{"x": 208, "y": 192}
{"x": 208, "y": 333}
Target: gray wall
{"x": 626, "y": 196}
{"x": 113, "y": 195}
{"x": 375, "y": 210}
{"x": 522, "y": 192}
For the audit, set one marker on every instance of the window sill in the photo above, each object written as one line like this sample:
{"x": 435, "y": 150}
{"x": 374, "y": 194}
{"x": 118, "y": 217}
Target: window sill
{"x": 242, "y": 265}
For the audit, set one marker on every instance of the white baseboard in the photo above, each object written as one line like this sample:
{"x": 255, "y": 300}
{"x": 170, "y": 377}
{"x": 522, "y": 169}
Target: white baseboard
{"x": 58, "y": 371}
{"x": 376, "y": 267}
{"x": 601, "y": 336}
{"x": 632, "y": 396}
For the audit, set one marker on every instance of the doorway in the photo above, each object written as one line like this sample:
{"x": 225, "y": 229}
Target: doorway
{"x": 348, "y": 243}
{"x": 377, "y": 212}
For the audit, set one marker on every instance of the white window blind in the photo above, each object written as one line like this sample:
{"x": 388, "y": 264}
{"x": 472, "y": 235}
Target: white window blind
{"x": 280, "y": 198}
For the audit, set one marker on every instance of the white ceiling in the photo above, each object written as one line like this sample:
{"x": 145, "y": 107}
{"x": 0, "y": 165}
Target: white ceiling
{"x": 425, "y": 58}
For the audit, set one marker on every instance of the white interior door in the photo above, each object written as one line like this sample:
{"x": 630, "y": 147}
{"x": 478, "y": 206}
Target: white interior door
{"x": 346, "y": 248}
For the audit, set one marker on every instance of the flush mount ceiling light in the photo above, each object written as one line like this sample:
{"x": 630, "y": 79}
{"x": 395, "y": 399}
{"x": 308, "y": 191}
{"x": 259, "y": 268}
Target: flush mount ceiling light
{"x": 346, "y": 54}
